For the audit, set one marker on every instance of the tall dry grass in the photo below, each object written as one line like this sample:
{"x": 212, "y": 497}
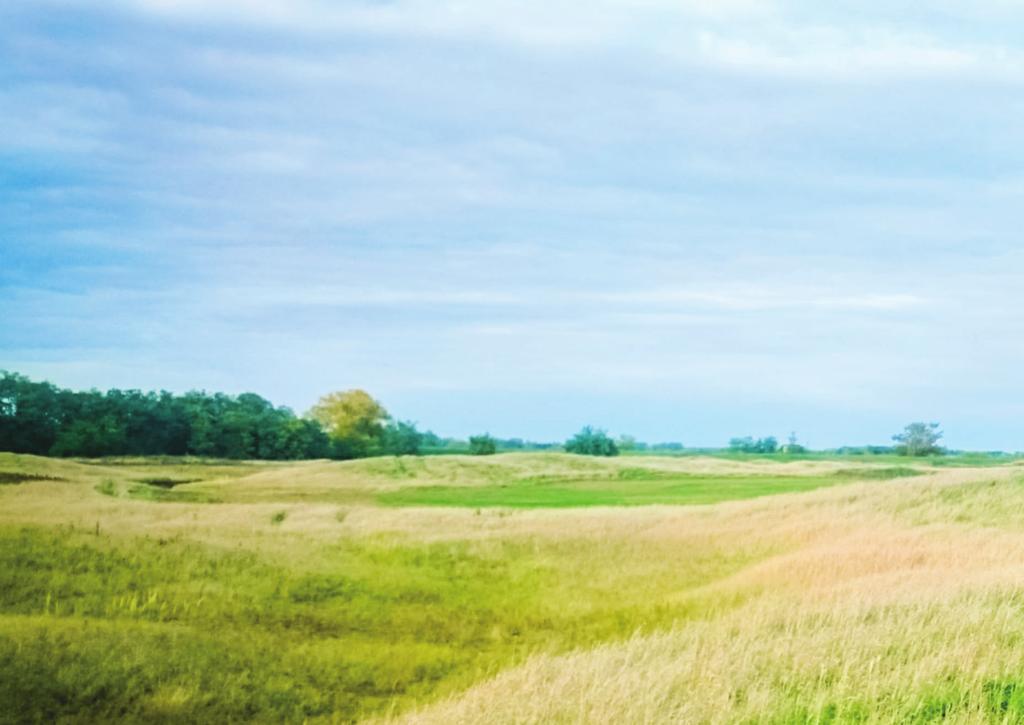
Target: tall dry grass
{"x": 875, "y": 601}
{"x": 890, "y": 602}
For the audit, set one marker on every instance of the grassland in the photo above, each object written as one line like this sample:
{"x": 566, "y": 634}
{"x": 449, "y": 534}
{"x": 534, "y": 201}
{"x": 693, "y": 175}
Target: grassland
{"x": 514, "y": 588}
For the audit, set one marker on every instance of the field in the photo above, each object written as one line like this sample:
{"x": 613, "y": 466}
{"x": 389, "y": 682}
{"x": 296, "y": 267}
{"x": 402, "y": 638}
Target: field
{"x": 528, "y": 588}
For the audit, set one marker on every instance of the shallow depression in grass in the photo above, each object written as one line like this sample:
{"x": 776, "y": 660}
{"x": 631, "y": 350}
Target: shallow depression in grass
{"x": 100, "y": 627}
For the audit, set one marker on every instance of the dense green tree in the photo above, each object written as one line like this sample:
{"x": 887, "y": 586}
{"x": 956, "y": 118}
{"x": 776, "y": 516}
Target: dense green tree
{"x": 301, "y": 438}
{"x": 400, "y": 438}
{"x": 482, "y": 445}
{"x": 592, "y": 442}
{"x": 90, "y": 437}
{"x": 31, "y": 414}
{"x": 432, "y": 440}
{"x": 42, "y": 419}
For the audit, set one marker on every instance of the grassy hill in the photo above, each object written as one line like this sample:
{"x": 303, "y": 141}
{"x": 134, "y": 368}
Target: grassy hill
{"x": 519, "y": 587}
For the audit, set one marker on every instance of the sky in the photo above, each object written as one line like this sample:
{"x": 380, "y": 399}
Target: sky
{"x": 684, "y": 221}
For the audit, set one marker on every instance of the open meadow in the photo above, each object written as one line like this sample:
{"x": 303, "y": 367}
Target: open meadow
{"x": 531, "y": 587}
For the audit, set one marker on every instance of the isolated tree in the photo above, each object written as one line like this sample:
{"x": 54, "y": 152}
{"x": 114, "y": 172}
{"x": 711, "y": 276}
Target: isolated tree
{"x": 918, "y": 439}
{"x": 792, "y": 445}
{"x": 592, "y": 442}
{"x": 482, "y": 445}
{"x": 353, "y": 420}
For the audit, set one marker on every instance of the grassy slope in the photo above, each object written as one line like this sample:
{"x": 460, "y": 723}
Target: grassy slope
{"x": 298, "y": 597}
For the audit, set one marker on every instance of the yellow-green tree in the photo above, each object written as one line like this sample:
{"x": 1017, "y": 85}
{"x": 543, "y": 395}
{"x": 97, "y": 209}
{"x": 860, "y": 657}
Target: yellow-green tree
{"x": 353, "y": 419}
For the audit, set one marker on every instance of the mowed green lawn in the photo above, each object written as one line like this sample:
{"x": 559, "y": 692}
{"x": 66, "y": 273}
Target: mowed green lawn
{"x": 629, "y": 487}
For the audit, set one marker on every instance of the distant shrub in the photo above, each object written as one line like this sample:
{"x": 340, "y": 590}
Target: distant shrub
{"x": 751, "y": 445}
{"x": 668, "y": 446}
{"x": 482, "y": 445}
{"x": 863, "y": 450}
{"x": 592, "y": 442}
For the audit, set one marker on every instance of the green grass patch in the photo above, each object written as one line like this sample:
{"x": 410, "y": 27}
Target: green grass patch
{"x": 632, "y": 487}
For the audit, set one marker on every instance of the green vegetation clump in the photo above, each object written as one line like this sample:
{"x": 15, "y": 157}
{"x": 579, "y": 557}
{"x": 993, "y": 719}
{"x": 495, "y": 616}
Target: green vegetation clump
{"x": 41, "y": 419}
{"x": 482, "y": 445}
{"x": 592, "y": 442}
{"x": 107, "y": 488}
{"x": 767, "y": 445}
{"x": 400, "y": 438}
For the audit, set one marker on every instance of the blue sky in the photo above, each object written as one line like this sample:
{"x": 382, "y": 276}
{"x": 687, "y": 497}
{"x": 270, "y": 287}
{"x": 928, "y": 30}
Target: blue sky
{"x": 680, "y": 220}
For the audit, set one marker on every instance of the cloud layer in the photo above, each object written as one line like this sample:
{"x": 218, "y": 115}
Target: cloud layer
{"x": 680, "y": 220}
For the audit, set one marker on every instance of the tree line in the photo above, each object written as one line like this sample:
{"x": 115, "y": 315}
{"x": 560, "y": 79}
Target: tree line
{"x": 40, "y": 418}
{"x": 916, "y": 439}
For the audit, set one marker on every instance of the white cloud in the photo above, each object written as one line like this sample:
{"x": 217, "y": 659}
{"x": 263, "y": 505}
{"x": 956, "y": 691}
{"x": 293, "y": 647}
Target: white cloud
{"x": 758, "y": 37}
{"x": 841, "y": 54}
